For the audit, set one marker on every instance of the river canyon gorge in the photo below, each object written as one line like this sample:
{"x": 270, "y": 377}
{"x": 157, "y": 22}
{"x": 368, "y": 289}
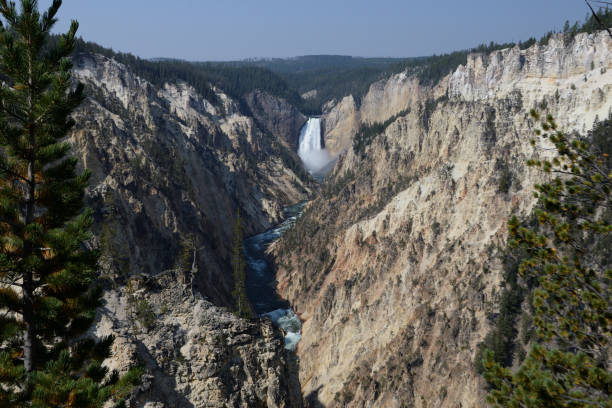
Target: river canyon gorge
{"x": 372, "y": 262}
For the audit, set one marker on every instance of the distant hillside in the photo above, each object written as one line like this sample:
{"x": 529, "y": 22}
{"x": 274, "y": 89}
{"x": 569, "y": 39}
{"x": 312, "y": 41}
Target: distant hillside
{"x": 335, "y": 76}
{"x": 331, "y": 76}
{"x": 315, "y": 63}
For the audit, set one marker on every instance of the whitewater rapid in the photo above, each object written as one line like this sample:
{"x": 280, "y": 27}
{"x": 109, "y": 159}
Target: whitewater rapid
{"x": 311, "y": 149}
{"x": 261, "y": 280}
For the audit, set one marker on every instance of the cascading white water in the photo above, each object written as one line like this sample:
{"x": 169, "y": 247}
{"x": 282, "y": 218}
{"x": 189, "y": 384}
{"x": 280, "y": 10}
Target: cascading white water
{"x": 291, "y": 324}
{"x": 311, "y": 151}
{"x": 261, "y": 279}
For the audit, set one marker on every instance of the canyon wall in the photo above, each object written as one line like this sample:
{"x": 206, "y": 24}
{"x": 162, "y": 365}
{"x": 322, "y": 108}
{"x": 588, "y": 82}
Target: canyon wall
{"x": 170, "y": 171}
{"x": 277, "y": 116}
{"x": 393, "y": 267}
{"x": 167, "y": 165}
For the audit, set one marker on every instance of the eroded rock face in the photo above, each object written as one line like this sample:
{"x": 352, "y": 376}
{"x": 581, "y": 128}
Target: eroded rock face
{"x": 393, "y": 267}
{"x": 170, "y": 169}
{"x": 340, "y": 122}
{"x": 195, "y": 354}
{"x": 277, "y": 116}
{"x": 167, "y": 165}
{"x": 537, "y": 73}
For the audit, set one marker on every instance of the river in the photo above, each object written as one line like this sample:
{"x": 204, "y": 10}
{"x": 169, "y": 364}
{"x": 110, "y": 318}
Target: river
{"x": 261, "y": 279}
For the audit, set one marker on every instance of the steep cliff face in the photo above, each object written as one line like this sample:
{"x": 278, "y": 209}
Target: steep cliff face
{"x": 340, "y": 122}
{"x": 538, "y": 73}
{"x": 167, "y": 165}
{"x": 393, "y": 266}
{"x": 277, "y": 116}
{"x": 170, "y": 171}
{"x": 195, "y": 354}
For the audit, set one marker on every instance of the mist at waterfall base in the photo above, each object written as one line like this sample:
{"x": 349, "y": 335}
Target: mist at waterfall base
{"x": 261, "y": 280}
{"x": 314, "y": 156}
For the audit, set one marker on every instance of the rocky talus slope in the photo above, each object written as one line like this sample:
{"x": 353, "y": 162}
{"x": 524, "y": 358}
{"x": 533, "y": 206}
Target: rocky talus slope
{"x": 170, "y": 171}
{"x": 393, "y": 266}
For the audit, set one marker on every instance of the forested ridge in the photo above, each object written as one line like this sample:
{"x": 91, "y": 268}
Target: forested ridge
{"x": 332, "y": 76}
{"x": 233, "y": 80}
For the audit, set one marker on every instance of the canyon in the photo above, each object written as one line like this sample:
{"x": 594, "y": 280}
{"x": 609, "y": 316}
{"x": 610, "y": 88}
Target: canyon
{"x": 170, "y": 172}
{"x": 393, "y": 266}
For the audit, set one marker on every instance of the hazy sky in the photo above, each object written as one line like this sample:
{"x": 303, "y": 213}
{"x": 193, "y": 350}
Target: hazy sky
{"x": 237, "y": 29}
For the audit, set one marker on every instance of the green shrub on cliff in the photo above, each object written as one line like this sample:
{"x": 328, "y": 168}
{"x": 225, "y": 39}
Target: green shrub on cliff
{"x": 368, "y": 132}
{"x": 243, "y": 306}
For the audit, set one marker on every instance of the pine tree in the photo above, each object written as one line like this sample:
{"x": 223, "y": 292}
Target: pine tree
{"x": 568, "y": 256}
{"x": 243, "y": 307}
{"x": 47, "y": 294}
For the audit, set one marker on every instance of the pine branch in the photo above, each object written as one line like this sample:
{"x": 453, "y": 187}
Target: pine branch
{"x": 12, "y": 114}
{"x": 598, "y": 19}
{"x": 12, "y": 173}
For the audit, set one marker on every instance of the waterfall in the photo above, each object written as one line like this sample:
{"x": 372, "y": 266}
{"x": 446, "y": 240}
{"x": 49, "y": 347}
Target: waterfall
{"x": 311, "y": 151}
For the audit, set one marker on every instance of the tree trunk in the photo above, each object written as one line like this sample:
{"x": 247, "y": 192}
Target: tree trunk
{"x": 28, "y": 274}
{"x": 28, "y": 278}
{"x": 28, "y": 314}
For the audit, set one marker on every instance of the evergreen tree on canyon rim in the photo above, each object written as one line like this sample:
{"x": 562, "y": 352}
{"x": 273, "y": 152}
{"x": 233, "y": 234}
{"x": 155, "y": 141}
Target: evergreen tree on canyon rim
{"x": 48, "y": 296}
{"x": 567, "y": 265}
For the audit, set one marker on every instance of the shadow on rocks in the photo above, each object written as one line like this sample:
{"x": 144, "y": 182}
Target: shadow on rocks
{"x": 312, "y": 399}
{"x": 293, "y": 380}
{"x": 159, "y": 387}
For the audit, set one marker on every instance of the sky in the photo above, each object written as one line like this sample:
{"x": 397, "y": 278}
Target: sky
{"x": 213, "y": 30}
